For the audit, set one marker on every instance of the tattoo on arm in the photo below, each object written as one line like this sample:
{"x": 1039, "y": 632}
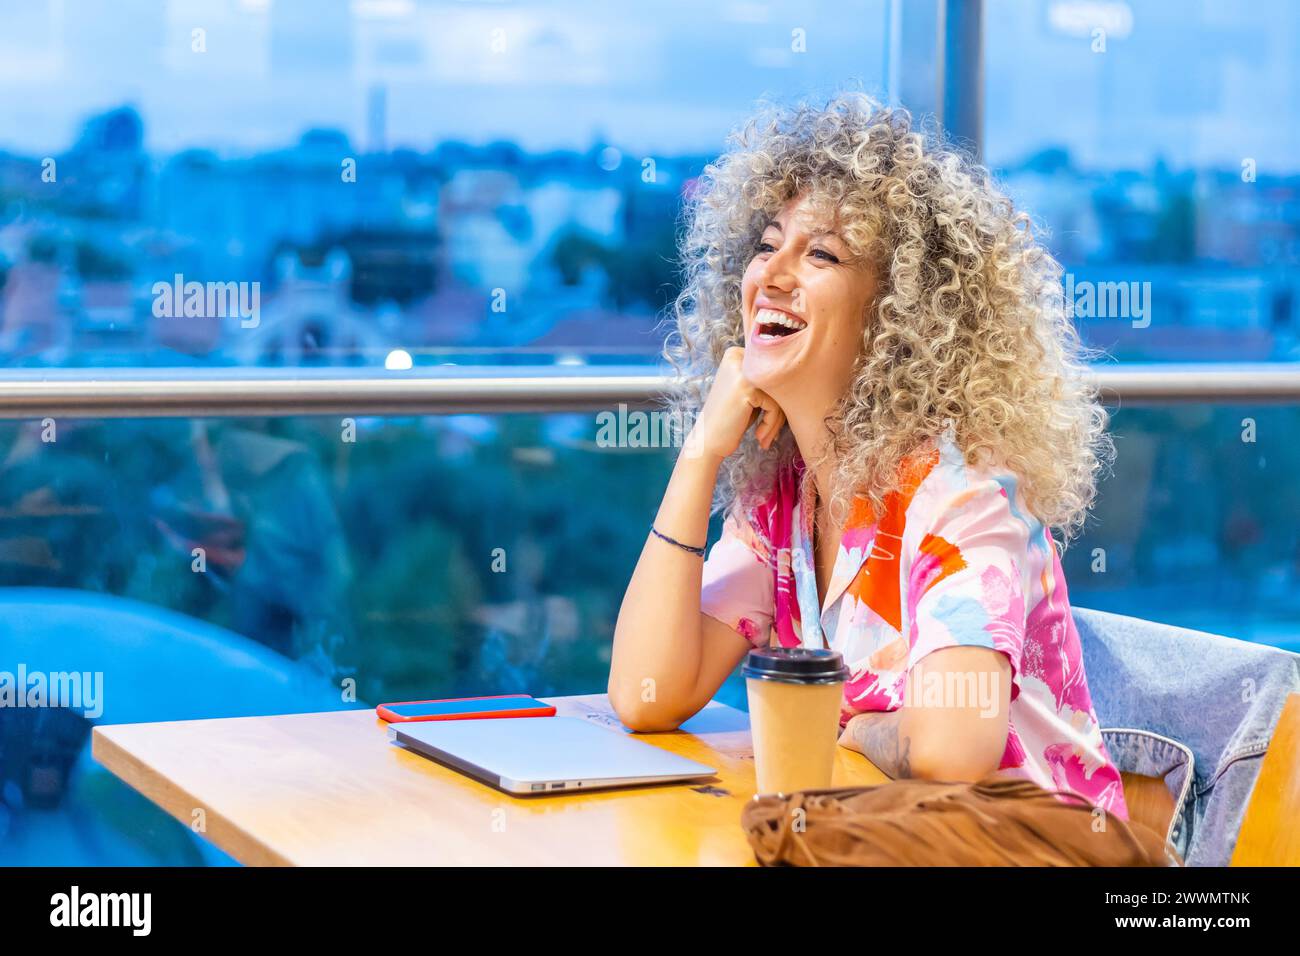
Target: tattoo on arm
{"x": 878, "y": 736}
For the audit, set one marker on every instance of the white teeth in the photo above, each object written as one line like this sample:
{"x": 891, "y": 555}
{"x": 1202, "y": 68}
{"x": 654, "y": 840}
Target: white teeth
{"x": 773, "y": 317}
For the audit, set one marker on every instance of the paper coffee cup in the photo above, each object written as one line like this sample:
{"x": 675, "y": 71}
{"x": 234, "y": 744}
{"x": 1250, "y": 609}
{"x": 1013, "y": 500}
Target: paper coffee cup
{"x": 794, "y": 715}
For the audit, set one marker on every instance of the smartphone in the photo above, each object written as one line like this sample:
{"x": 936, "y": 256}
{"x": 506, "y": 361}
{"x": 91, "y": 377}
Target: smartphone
{"x": 463, "y": 708}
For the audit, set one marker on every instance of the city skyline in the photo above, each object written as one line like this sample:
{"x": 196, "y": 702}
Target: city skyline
{"x": 269, "y": 70}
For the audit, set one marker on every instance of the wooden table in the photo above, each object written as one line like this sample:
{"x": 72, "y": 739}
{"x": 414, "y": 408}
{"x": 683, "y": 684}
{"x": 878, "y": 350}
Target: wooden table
{"x": 326, "y": 789}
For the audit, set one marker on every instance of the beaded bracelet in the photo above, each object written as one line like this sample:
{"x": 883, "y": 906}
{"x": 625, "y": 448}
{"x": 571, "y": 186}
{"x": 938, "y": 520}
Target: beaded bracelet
{"x": 685, "y": 547}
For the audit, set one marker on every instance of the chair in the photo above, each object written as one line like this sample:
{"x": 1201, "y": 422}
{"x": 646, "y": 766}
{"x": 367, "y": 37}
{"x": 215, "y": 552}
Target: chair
{"x": 153, "y": 664}
{"x": 1205, "y": 731}
{"x": 1269, "y": 836}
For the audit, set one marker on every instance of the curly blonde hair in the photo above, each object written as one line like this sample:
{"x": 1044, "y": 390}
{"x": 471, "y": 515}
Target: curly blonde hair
{"x": 968, "y": 326}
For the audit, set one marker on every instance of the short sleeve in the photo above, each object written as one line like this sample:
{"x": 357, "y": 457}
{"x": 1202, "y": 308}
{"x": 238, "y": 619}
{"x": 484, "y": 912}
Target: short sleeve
{"x": 965, "y": 585}
{"x": 738, "y": 581}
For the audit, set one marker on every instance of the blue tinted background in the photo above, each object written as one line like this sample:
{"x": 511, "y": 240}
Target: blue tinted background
{"x": 470, "y": 183}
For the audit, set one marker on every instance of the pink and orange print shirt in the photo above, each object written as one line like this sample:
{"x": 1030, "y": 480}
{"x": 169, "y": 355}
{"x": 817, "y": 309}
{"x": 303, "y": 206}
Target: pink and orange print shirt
{"x": 956, "y": 559}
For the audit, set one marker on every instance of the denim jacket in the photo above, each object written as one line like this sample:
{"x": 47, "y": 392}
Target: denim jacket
{"x": 1193, "y": 708}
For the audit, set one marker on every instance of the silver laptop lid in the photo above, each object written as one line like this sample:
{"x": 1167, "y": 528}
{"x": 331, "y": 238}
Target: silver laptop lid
{"x": 544, "y": 754}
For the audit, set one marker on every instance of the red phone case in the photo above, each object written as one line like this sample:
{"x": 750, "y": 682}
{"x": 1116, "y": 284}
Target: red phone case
{"x": 546, "y": 710}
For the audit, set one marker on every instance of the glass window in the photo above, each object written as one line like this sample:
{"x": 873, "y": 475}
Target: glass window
{"x": 1156, "y": 141}
{"x": 1199, "y": 526}
{"x": 296, "y": 183}
{"x": 228, "y": 567}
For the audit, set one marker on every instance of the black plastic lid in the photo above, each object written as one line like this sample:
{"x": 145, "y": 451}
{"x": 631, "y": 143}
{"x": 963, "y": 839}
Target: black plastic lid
{"x": 796, "y": 665}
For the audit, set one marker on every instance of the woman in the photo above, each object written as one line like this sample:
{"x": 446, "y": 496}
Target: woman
{"x": 922, "y": 426}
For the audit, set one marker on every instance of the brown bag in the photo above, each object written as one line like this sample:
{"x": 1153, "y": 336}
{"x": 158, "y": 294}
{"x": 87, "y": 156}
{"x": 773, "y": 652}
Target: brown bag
{"x": 998, "y": 821}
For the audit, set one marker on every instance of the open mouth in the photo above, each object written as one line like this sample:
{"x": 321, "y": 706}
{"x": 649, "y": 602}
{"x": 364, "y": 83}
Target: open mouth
{"x": 771, "y": 325}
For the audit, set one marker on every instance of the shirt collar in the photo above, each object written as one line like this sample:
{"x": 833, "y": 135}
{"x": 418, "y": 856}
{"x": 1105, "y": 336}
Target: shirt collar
{"x": 858, "y": 543}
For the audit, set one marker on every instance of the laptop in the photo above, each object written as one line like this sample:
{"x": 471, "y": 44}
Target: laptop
{"x": 536, "y": 755}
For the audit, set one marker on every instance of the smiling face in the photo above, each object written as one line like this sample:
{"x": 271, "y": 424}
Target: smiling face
{"x": 804, "y": 297}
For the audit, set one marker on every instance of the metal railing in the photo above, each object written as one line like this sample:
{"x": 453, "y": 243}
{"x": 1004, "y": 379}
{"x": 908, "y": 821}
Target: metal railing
{"x": 172, "y": 393}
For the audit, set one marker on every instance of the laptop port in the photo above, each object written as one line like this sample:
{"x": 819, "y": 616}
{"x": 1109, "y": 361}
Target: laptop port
{"x": 558, "y": 786}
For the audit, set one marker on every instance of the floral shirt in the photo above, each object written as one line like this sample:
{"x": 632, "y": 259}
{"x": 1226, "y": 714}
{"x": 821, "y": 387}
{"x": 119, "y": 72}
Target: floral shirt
{"x": 955, "y": 560}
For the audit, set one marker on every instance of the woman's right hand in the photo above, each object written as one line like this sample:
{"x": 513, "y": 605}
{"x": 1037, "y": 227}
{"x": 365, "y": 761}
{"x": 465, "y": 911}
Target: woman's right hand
{"x": 730, "y": 408}
{"x": 662, "y": 633}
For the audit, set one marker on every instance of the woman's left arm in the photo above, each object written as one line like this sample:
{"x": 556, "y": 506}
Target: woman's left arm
{"x": 953, "y": 723}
